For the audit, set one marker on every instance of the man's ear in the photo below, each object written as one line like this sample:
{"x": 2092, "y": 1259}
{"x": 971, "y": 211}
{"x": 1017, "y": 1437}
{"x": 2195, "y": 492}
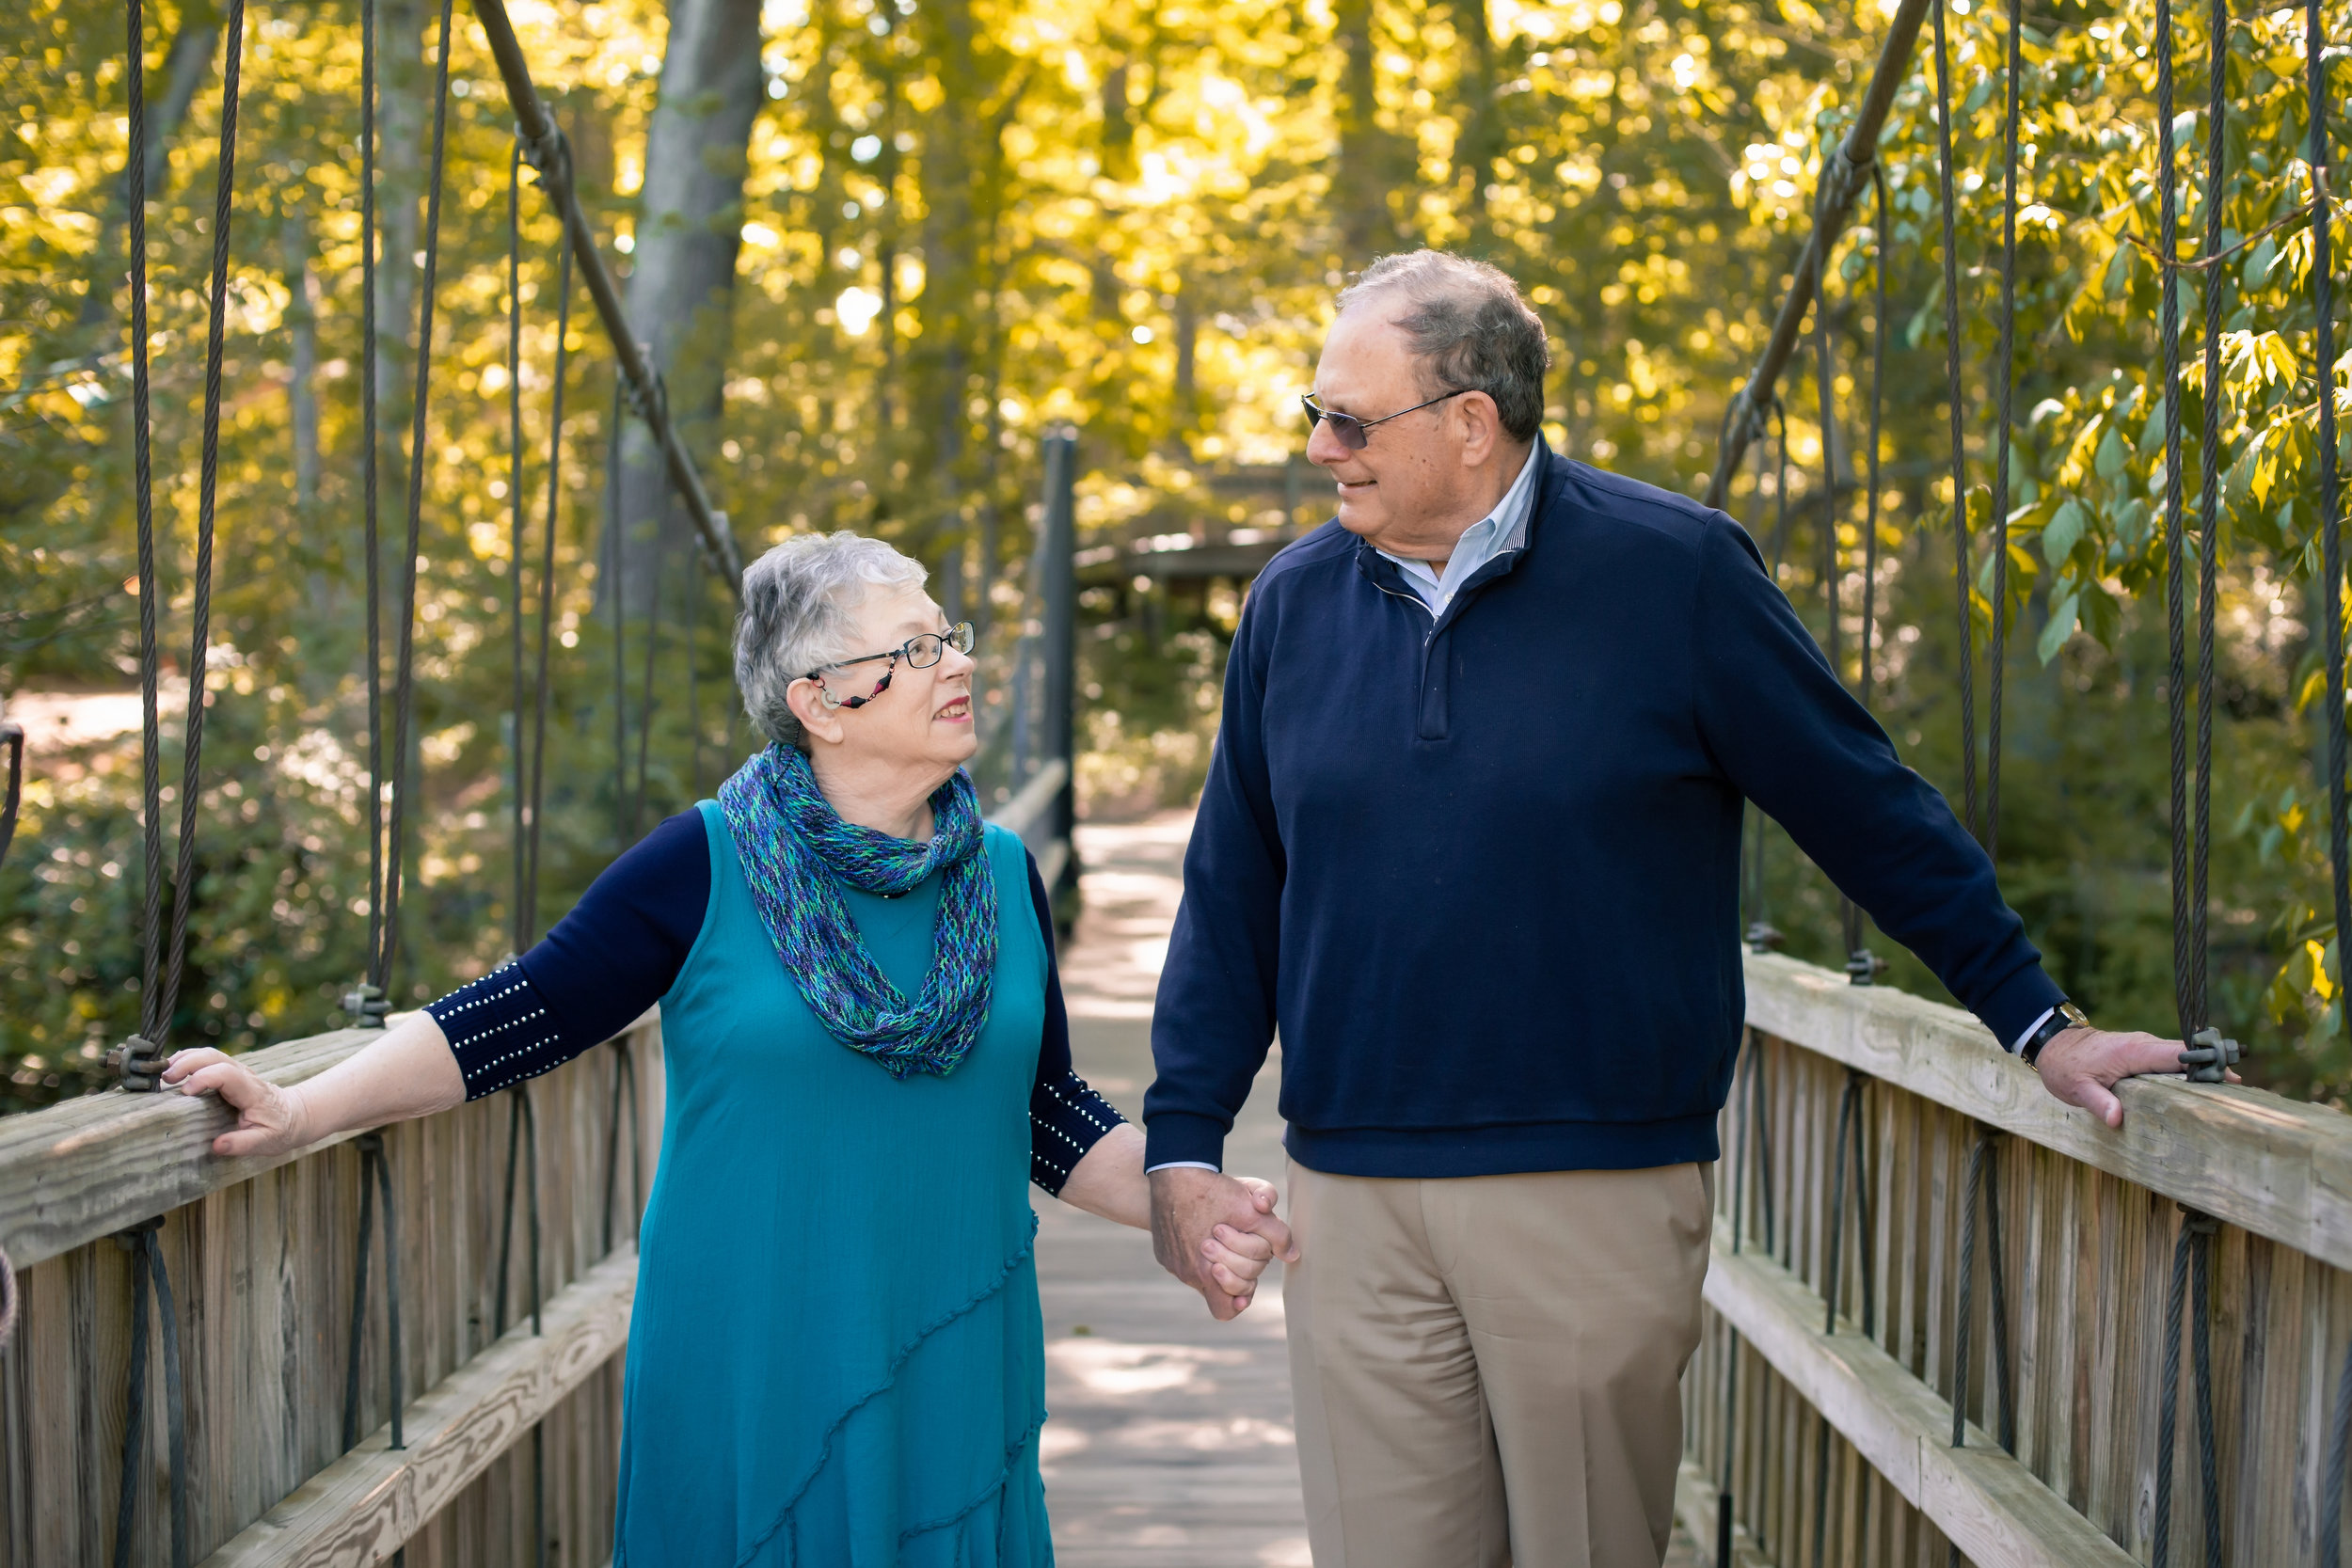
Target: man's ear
{"x": 1482, "y": 432}
{"x": 805, "y": 697}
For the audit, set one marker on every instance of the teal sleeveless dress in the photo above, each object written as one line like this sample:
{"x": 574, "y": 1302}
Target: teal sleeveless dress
{"x": 836, "y": 1358}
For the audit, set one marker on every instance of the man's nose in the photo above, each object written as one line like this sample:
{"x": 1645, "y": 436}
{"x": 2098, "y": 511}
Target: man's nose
{"x": 1323, "y": 448}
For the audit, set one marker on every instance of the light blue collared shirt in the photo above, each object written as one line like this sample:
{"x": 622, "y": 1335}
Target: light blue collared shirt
{"x": 1503, "y": 529}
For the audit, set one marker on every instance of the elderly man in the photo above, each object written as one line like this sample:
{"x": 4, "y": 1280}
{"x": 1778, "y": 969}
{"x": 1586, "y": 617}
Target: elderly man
{"x": 1471, "y": 842}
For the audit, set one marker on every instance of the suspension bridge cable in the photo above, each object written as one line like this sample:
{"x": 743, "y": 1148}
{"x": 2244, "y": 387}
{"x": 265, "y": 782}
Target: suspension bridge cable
{"x": 1959, "y": 435}
{"x": 139, "y": 1060}
{"x": 645, "y": 701}
{"x": 530, "y": 924}
{"x": 2209, "y": 491}
{"x": 403, "y": 672}
{"x": 366, "y": 1002}
{"x": 616, "y": 553}
{"x": 143, "y": 486}
{"x": 517, "y": 935}
{"x": 1862, "y": 965}
{"x": 2175, "y": 549}
{"x": 1997, "y": 654}
{"x": 2331, "y": 616}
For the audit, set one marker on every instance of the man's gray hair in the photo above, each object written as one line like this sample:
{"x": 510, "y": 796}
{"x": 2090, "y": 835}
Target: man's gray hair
{"x": 1471, "y": 328}
{"x": 800, "y": 601}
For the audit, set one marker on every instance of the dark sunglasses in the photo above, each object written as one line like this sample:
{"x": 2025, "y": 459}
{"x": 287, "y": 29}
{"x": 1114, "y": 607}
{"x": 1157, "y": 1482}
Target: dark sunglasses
{"x": 920, "y": 652}
{"x": 1354, "y": 434}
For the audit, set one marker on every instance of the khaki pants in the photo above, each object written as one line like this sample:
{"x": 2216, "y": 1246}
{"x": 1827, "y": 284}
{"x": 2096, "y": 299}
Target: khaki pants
{"x": 1487, "y": 1368}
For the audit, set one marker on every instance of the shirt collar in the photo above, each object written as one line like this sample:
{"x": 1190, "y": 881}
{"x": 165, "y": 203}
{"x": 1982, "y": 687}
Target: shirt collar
{"x": 1499, "y": 531}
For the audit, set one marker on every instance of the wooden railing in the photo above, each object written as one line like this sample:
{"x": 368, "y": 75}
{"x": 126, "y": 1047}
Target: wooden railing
{"x": 2089, "y": 1221}
{"x": 497, "y": 1428}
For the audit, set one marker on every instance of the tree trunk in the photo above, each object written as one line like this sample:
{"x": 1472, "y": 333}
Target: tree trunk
{"x": 402, "y": 83}
{"x": 186, "y": 65}
{"x": 681, "y": 285}
{"x": 1482, "y": 138}
{"x": 302, "y": 363}
{"x": 1367, "y": 160}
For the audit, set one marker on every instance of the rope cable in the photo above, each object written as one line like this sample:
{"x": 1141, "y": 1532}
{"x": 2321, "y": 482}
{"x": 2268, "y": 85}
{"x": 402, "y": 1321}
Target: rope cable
{"x": 147, "y": 1270}
{"x": 1960, "y": 450}
{"x": 138, "y": 1059}
{"x": 2004, "y": 354}
{"x": 367, "y": 1003}
{"x": 617, "y": 549}
{"x": 547, "y": 577}
{"x": 2176, "y": 679}
{"x": 2208, "y": 501}
{"x": 644, "y": 701}
{"x": 518, "y": 933}
{"x": 375, "y": 1175}
{"x": 404, "y": 673}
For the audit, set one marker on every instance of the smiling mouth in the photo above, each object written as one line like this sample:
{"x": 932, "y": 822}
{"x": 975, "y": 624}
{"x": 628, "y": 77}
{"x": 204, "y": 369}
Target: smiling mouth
{"x": 956, "y": 712}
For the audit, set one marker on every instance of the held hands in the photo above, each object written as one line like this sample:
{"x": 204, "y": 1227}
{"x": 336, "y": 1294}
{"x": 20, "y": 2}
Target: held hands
{"x": 2083, "y": 1066}
{"x": 270, "y": 1121}
{"x": 1216, "y": 1233}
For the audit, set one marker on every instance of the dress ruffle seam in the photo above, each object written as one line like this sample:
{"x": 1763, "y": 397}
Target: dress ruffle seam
{"x": 890, "y": 1376}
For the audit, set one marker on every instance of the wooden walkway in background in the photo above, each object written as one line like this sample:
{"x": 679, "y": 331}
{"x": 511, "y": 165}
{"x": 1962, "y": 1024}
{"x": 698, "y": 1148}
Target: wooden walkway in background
{"x": 1170, "y": 1444}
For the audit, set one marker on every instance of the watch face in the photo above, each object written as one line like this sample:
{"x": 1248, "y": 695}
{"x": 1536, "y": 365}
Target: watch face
{"x": 2073, "y": 1015}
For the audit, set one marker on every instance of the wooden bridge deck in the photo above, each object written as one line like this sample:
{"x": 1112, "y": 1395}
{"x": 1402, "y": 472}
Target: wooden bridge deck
{"x": 1170, "y": 1443}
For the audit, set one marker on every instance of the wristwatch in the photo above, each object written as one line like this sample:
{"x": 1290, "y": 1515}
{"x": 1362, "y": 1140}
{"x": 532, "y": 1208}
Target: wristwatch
{"x": 2063, "y": 1017}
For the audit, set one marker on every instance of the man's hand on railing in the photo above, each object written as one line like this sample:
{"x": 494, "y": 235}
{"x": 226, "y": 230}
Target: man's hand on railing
{"x": 2082, "y": 1065}
{"x": 270, "y": 1121}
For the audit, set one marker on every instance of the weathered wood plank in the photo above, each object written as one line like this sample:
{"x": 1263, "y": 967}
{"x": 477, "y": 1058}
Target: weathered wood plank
{"x": 1978, "y": 1496}
{"x": 2281, "y": 1168}
{"x": 85, "y": 1168}
{"x": 365, "y": 1505}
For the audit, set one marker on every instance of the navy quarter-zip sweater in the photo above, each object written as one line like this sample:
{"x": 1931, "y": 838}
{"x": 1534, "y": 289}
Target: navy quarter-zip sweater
{"x": 1481, "y": 870}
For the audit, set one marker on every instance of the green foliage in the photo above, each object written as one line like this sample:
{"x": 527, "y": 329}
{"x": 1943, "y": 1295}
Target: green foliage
{"x": 967, "y": 222}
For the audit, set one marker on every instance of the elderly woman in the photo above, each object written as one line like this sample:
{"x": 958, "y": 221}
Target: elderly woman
{"x": 836, "y": 1355}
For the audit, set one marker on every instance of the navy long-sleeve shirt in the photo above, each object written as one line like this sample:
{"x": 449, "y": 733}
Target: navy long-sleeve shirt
{"x": 619, "y": 952}
{"x": 1480, "y": 865}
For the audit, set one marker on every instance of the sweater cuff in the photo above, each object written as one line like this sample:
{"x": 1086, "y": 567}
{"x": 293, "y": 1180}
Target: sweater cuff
{"x": 1178, "y": 1137}
{"x": 2018, "y": 1003}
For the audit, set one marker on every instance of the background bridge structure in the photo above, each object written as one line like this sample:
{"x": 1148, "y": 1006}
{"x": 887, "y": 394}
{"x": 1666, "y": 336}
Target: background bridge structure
{"x": 1947, "y": 1319}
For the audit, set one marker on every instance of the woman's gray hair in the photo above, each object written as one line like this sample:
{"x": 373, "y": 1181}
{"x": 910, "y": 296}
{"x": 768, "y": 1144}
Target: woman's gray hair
{"x": 1471, "y": 330}
{"x": 800, "y": 601}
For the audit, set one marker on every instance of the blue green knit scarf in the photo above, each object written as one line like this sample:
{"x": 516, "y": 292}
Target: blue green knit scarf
{"x": 797, "y": 854}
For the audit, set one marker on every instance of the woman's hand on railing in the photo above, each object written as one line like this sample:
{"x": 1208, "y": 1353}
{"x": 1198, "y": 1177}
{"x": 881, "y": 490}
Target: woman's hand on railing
{"x": 270, "y": 1119}
{"x": 406, "y": 1071}
{"x": 2083, "y": 1066}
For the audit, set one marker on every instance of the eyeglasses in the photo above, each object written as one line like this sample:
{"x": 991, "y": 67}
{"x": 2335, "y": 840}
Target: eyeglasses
{"x": 920, "y": 652}
{"x": 1354, "y": 433}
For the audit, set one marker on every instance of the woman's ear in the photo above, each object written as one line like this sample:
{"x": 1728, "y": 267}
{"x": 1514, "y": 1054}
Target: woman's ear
{"x": 822, "y": 721}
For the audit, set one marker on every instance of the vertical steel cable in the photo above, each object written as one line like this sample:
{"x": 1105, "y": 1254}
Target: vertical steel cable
{"x": 2331, "y": 615}
{"x": 694, "y": 675}
{"x": 141, "y": 1059}
{"x": 2192, "y": 1245}
{"x": 2208, "y": 501}
{"x": 521, "y": 1124}
{"x": 1862, "y": 965}
{"x": 1849, "y": 1136}
{"x": 1731, "y": 1413}
{"x": 1761, "y": 934}
{"x": 547, "y": 577}
{"x": 375, "y": 1175}
{"x": 1958, "y": 440}
{"x": 2332, "y": 532}
{"x": 1983, "y": 1194}
{"x": 147, "y": 1268}
{"x": 1996, "y": 655}
{"x": 403, "y": 672}
{"x": 617, "y": 549}
{"x": 645, "y": 701}
{"x": 518, "y": 935}
{"x": 2176, "y": 566}
{"x": 624, "y": 1074}
{"x": 365, "y": 1003}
